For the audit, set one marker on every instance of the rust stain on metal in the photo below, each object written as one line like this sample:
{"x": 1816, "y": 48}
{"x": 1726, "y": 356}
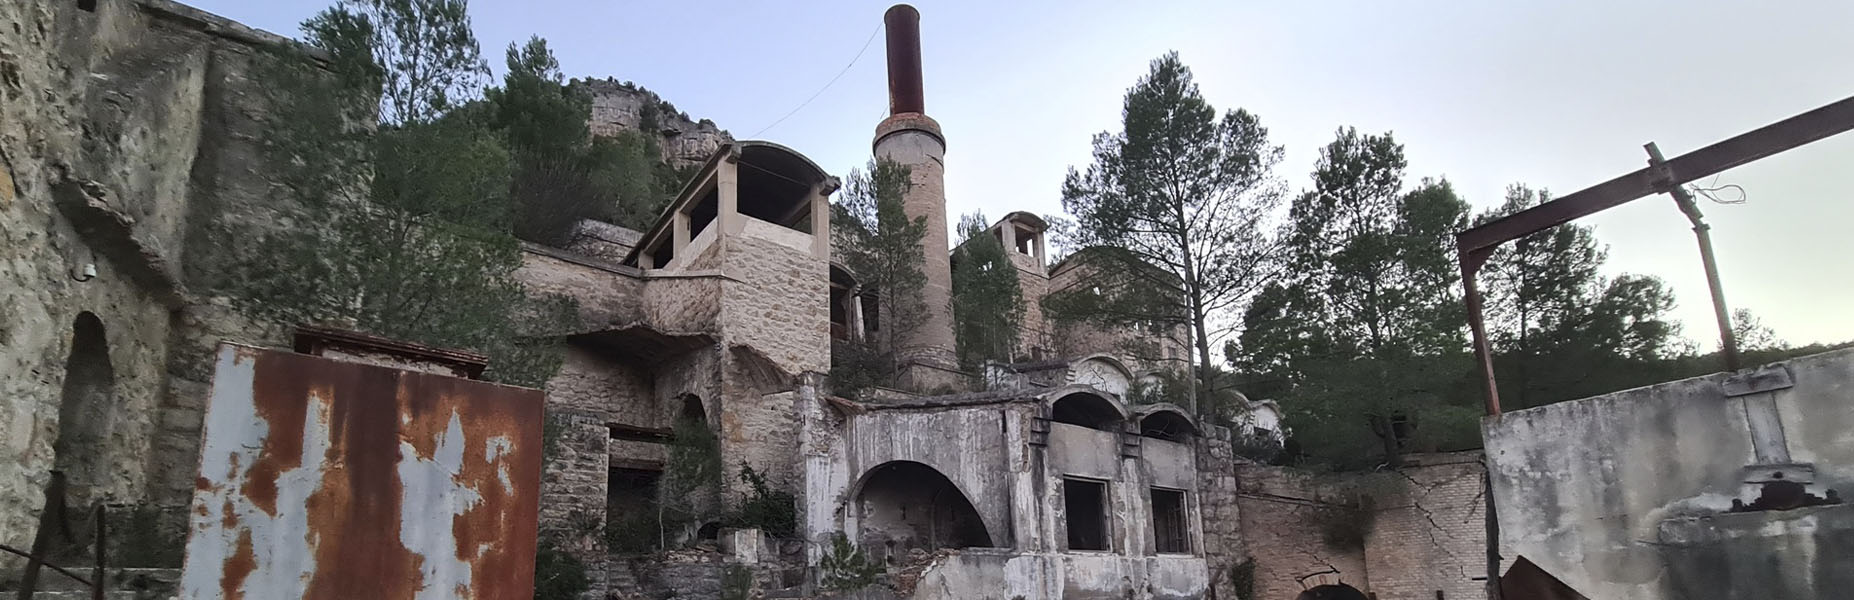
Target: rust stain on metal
{"x": 365, "y": 482}
{"x": 237, "y": 569}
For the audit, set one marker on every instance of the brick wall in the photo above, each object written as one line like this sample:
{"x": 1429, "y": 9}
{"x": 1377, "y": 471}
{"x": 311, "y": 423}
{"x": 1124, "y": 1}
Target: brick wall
{"x": 1424, "y": 531}
{"x": 1429, "y": 533}
{"x": 1281, "y": 511}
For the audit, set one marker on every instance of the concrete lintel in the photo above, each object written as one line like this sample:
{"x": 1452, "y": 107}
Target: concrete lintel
{"x": 1768, "y": 378}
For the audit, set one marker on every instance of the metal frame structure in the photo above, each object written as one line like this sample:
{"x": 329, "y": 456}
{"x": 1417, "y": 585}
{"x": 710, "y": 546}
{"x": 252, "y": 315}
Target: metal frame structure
{"x": 1474, "y": 246}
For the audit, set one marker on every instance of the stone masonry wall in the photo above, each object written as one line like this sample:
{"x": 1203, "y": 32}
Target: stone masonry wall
{"x": 1224, "y": 546}
{"x": 109, "y": 119}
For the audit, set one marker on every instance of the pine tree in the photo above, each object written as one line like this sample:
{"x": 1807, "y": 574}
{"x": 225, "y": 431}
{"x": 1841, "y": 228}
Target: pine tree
{"x": 1180, "y": 201}
{"x": 988, "y": 303}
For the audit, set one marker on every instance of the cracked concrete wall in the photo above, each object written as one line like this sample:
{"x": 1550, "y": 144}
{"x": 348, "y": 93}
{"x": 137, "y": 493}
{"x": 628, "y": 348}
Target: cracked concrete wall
{"x": 1584, "y": 488}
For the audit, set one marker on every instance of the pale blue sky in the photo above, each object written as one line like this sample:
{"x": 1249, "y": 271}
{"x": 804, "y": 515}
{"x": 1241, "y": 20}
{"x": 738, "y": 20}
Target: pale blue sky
{"x": 1559, "y": 95}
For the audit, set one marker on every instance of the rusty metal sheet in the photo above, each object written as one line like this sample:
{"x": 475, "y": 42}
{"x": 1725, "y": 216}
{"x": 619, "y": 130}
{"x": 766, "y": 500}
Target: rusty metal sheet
{"x": 1526, "y": 581}
{"x": 332, "y": 480}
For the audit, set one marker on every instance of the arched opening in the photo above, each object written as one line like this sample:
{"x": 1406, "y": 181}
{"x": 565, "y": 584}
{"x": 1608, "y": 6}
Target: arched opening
{"x": 1333, "y": 591}
{"x": 692, "y": 410}
{"x": 1086, "y": 410}
{"x": 1166, "y": 425}
{"x": 84, "y": 411}
{"x": 905, "y": 505}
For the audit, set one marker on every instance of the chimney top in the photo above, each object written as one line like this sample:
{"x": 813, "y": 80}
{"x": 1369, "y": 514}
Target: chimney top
{"x": 904, "y": 60}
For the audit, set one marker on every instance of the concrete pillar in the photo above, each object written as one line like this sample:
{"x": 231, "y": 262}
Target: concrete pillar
{"x": 727, "y": 191}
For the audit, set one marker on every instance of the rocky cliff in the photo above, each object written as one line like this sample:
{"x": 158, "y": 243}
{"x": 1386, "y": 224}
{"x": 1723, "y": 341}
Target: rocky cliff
{"x": 620, "y": 106}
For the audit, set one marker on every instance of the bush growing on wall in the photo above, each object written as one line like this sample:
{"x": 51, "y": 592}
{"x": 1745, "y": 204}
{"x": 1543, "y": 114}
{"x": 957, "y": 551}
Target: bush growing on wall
{"x": 770, "y": 510}
{"x": 845, "y": 568}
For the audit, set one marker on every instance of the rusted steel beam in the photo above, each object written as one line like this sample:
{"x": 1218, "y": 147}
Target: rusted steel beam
{"x": 904, "y": 60}
{"x": 1770, "y": 139}
{"x": 1475, "y": 245}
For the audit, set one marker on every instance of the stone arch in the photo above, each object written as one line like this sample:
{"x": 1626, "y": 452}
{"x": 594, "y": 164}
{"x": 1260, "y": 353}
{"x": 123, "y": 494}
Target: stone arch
{"x": 1102, "y": 372}
{"x": 1083, "y": 406}
{"x": 1331, "y": 591}
{"x": 86, "y": 406}
{"x": 1166, "y": 422}
{"x": 903, "y": 505}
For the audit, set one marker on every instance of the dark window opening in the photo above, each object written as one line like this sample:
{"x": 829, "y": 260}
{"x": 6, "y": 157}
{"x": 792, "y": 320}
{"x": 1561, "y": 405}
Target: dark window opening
{"x": 1171, "y": 535}
{"x": 1026, "y": 242}
{"x": 692, "y": 411}
{"x": 631, "y": 513}
{"x": 661, "y": 255}
{"x": 87, "y": 5}
{"x": 842, "y": 303}
{"x": 703, "y": 212}
{"x": 1085, "y": 513}
{"x": 872, "y": 314}
{"x": 1086, "y": 410}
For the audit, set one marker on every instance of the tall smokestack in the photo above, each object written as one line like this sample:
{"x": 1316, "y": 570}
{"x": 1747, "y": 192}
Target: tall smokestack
{"x": 908, "y": 136}
{"x": 904, "y": 60}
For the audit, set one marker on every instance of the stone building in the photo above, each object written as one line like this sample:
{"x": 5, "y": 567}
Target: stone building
{"x": 131, "y": 166}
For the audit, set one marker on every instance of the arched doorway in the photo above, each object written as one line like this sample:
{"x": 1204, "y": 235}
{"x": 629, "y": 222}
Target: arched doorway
{"x": 1334, "y": 591}
{"x": 85, "y": 408}
{"x": 905, "y": 505}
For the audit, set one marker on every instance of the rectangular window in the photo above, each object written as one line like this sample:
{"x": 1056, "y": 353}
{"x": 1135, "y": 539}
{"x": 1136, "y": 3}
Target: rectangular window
{"x": 1169, "y": 532}
{"x": 1085, "y": 505}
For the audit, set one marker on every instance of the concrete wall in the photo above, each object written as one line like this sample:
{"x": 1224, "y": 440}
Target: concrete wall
{"x": 1589, "y": 489}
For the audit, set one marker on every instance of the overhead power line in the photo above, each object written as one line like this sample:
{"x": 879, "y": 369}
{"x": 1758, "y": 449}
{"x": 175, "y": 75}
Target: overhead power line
{"x": 820, "y": 92}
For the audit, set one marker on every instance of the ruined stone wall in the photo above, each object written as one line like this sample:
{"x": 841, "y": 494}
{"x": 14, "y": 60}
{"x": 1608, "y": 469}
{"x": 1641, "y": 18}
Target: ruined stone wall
{"x": 114, "y": 126}
{"x": 608, "y": 295}
{"x": 1283, "y": 513}
{"x": 778, "y": 303}
{"x": 1224, "y": 545}
{"x": 1033, "y": 332}
{"x": 1141, "y": 350}
{"x": 591, "y": 382}
{"x": 1428, "y": 532}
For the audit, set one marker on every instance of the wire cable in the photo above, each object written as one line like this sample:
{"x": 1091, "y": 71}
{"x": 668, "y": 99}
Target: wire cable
{"x": 820, "y": 92}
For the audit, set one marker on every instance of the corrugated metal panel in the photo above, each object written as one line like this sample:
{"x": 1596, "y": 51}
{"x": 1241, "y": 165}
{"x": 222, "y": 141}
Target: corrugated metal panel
{"x": 333, "y": 480}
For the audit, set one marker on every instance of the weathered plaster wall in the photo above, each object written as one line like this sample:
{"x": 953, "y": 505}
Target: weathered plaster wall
{"x": 1582, "y": 488}
{"x": 968, "y": 446}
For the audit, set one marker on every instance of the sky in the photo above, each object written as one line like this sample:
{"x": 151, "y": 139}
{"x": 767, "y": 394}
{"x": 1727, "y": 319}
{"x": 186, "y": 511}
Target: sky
{"x": 1556, "y": 95}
